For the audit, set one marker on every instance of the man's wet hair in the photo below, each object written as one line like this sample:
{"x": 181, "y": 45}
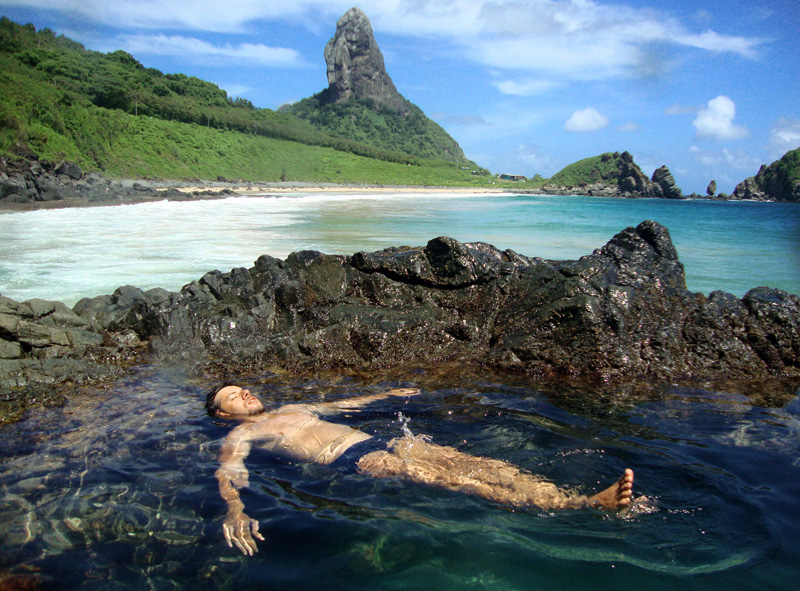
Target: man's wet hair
{"x": 212, "y": 406}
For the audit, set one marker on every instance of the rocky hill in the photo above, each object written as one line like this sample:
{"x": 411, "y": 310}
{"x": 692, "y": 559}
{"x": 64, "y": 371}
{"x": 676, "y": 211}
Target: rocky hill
{"x": 108, "y": 113}
{"x": 362, "y": 103}
{"x": 780, "y": 181}
{"x": 613, "y": 175}
{"x": 356, "y": 69}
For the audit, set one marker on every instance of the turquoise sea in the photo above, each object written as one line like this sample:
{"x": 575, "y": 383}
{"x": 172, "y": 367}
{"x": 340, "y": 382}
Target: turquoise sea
{"x": 116, "y": 490}
{"x": 72, "y": 253}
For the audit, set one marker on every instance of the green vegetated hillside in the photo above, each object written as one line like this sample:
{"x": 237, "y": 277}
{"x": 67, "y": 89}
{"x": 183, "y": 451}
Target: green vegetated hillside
{"x": 596, "y": 169}
{"x": 108, "y": 112}
{"x": 407, "y": 131}
{"x": 780, "y": 181}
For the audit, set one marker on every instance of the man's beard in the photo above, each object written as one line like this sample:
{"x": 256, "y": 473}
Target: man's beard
{"x": 256, "y": 411}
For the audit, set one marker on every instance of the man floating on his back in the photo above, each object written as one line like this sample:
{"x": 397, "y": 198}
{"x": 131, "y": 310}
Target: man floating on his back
{"x": 296, "y": 432}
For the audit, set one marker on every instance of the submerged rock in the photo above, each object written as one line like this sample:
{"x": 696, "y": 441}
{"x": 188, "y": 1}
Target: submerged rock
{"x": 621, "y": 313}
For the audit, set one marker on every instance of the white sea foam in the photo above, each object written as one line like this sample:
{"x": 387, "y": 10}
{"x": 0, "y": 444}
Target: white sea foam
{"x": 67, "y": 254}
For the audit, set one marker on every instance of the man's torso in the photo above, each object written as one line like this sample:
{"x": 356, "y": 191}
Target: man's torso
{"x": 297, "y": 433}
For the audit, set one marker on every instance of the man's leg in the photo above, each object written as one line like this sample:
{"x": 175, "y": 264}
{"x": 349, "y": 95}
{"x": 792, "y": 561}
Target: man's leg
{"x": 417, "y": 460}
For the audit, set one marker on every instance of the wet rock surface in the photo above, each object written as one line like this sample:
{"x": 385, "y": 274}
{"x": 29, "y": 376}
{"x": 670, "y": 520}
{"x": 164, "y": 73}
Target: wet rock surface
{"x": 622, "y": 313}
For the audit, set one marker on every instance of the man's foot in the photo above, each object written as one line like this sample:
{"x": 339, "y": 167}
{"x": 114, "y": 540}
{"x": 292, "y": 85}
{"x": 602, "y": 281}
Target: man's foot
{"x": 616, "y": 496}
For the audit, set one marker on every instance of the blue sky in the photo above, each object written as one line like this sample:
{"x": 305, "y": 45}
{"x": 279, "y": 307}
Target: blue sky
{"x": 710, "y": 88}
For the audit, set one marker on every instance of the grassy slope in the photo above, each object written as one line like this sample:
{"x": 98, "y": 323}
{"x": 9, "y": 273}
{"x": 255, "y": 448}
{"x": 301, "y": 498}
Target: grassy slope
{"x": 603, "y": 168}
{"x": 67, "y": 103}
{"x": 364, "y": 121}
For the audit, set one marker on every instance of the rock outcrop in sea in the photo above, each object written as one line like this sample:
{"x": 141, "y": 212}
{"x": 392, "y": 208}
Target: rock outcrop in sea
{"x": 611, "y": 175}
{"x": 665, "y": 184}
{"x": 620, "y": 314}
{"x": 780, "y": 181}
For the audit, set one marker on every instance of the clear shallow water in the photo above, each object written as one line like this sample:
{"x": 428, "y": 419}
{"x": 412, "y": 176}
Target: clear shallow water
{"x": 72, "y": 253}
{"x": 116, "y": 491}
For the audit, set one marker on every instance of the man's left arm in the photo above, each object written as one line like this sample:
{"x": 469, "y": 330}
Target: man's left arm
{"x": 361, "y": 401}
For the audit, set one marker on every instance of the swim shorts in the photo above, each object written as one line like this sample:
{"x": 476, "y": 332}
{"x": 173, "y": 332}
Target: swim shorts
{"x": 349, "y": 459}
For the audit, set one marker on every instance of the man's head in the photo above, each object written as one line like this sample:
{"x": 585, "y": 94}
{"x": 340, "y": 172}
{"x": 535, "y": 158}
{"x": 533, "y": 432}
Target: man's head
{"x": 230, "y": 400}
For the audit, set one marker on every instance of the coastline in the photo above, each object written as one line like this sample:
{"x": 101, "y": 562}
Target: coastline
{"x": 174, "y": 191}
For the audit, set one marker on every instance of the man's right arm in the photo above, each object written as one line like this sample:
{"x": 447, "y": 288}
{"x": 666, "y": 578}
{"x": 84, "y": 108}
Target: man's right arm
{"x": 232, "y": 475}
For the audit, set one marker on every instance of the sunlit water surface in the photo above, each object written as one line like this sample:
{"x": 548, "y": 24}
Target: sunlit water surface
{"x": 72, "y": 253}
{"x": 117, "y": 491}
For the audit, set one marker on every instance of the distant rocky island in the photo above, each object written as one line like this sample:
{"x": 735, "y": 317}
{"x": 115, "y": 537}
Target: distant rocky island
{"x": 780, "y": 181}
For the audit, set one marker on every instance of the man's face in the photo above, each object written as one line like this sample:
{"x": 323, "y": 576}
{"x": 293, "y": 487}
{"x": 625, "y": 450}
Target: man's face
{"x": 234, "y": 400}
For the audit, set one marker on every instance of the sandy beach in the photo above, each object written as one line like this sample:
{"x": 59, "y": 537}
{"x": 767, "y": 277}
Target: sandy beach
{"x": 299, "y": 187}
{"x": 221, "y": 190}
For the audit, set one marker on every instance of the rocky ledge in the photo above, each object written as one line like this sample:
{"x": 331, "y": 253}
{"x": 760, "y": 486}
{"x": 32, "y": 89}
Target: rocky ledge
{"x": 28, "y": 182}
{"x": 621, "y": 313}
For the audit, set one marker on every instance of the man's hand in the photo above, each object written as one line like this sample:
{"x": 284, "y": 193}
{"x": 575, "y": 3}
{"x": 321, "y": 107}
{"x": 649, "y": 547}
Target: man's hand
{"x": 403, "y": 392}
{"x": 237, "y": 529}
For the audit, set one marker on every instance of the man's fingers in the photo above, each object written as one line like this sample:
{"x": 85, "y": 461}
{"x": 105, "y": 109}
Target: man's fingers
{"x": 239, "y": 535}
{"x": 242, "y": 548}
{"x": 254, "y": 525}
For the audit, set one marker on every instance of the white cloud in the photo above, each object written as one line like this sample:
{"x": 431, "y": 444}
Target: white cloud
{"x": 586, "y": 120}
{"x": 716, "y": 121}
{"x": 459, "y": 120}
{"x": 177, "y": 46}
{"x": 235, "y": 89}
{"x": 712, "y": 41}
{"x": 785, "y": 136}
{"x": 629, "y": 127}
{"x": 529, "y": 87}
{"x": 573, "y": 39}
{"x": 725, "y": 158}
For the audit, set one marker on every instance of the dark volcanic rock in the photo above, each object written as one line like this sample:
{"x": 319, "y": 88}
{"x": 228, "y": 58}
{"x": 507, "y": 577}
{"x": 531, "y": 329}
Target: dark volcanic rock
{"x": 355, "y": 64}
{"x": 631, "y": 179}
{"x": 45, "y": 345}
{"x": 41, "y": 182}
{"x": 622, "y": 312}
{"x": 663, "y": 178}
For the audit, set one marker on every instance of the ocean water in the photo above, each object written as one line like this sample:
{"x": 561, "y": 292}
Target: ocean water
{"x": 116, "y": 490}
{"x": 73, "y": 253}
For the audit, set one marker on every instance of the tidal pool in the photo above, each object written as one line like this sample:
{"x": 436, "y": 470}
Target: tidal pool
{"x": 116, "y": 490}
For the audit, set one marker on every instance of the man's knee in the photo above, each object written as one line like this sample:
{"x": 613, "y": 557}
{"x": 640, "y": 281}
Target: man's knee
{"x": 380, "y": 464}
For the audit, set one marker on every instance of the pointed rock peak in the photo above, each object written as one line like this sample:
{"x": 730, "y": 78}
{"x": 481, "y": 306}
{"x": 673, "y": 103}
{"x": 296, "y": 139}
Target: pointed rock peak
{"x": 355, "y": 64}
